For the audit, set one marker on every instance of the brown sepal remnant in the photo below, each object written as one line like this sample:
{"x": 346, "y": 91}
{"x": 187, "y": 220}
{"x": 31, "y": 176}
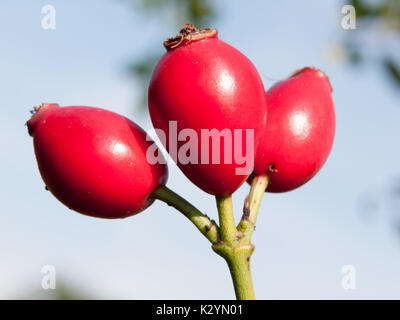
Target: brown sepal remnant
{"x": 318, "y": 71}
{"x": 187, "y": 34}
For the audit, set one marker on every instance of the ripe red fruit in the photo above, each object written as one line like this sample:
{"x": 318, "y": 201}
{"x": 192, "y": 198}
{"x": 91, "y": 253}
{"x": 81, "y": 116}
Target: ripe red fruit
{"x": 299, "y": 132}
{"x": 203, "y": 83}
{"x": 94, "y": 161}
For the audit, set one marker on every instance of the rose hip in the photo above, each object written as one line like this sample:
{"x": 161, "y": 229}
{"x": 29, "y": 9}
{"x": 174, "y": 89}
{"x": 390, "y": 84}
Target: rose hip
{"x": 94, "y": 161}
{"x": 203, "y": 83}
{"x": 299, "y": 132}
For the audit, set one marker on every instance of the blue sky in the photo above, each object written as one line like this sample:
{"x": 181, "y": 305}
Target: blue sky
{"x": 303, "y": 238}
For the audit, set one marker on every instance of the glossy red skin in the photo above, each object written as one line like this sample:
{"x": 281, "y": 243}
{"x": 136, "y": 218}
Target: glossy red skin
{"x": 208, "y": 84}
{"x": 94, "y": 160}
{"x": 299, "y": 132}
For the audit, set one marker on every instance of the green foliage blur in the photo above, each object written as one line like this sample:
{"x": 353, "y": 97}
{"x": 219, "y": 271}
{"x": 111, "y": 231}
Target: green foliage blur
{"x": 63, "y": 291}
{"x": 384, "y": 16}
{"x": 371, "y": 16}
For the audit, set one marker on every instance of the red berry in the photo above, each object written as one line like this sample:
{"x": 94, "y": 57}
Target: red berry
{"x": 94, "y": 161}
{"x": 299, "y": 132}
{"x": 203, "y": 83}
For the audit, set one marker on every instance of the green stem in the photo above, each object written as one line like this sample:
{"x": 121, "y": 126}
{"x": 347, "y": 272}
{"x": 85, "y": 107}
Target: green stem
{"x": 251, "y": 207}
{"x": 237, "y": 255}
{"x": 239, "y": 266}
{"x": 238, "y": 259}
{"x": 206, "y": 226}
{"x": 235, "y": 245}
{"x": 228, "y": 230}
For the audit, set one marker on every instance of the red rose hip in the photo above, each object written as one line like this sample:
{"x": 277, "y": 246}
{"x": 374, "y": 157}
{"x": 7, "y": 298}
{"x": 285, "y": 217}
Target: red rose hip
{"x": 203, "y": 83}
{"x": 94, "y": 161}
{"x": 299, "y": 132}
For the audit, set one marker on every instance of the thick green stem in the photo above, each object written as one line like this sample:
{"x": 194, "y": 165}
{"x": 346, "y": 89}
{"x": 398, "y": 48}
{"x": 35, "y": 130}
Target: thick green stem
{"x": 238, "y": 259}
{"x": 237, "y": 255}
{"x": 239, "y": 266}
{"x": 206, "y": 226}
{"x": 227, "y": 226}
{"x": 233, "y": 244}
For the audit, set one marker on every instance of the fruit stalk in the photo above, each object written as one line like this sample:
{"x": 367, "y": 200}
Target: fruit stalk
{"x": 228, "y": 230}
{"x": 206, "y": 226}
{"x": 252, "y": 205}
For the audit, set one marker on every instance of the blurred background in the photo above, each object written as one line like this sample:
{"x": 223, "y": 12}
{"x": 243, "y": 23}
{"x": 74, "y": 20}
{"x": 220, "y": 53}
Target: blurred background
{"x": 101, "y": 53}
